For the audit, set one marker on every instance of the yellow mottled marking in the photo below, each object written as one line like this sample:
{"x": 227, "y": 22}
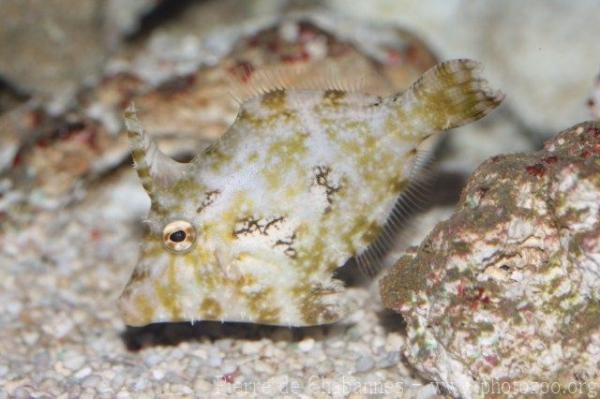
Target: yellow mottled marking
{"x": 203, "y": 263}
{"x": 285, "y": 154}
{"x": 168, "y": 294}
{"x": 187, "y": 188}
{"x": 217, "y": 158}
{"x": 144, "y": 307}
{"x": 262, "y": 305}
{"x": 275, "y": 100}
{"x": 210, "y": 309}
{"x": 333, "y": 98}
{"x": 398, "y": 186}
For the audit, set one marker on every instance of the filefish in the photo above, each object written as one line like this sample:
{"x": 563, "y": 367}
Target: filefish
{"x": 254, "y": 227}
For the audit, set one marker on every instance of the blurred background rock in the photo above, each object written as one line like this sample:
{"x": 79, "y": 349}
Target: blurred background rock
{"x": 69, "y": 59}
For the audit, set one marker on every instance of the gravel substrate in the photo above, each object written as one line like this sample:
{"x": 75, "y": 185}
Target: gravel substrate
{"x": 61, "y": 335}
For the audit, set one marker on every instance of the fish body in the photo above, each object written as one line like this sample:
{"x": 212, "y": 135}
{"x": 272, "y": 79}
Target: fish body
{"x": 253, "y": 228}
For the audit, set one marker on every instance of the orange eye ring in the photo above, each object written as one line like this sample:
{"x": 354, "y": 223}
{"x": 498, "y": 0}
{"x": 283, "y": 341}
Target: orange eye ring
{"x": 179, "y": 236}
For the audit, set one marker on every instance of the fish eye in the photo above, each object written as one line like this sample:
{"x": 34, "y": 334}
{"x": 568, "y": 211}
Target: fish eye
{"x": 179, "y": 236}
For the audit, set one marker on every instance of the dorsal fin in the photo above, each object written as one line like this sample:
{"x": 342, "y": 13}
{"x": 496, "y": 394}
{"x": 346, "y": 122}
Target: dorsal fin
{"x": 304, "y": 76}
{"x": 154, "y": 168}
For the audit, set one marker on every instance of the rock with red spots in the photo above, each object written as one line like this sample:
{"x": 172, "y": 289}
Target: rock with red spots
{"x": 505, "y": 295}
{"x": 187, "y": 99}
{"x": 184, "y": 91}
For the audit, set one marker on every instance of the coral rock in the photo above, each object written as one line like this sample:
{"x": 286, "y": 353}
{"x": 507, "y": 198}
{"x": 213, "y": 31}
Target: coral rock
{"x": 42, "y": 152}
{"x": 503, "y": 298}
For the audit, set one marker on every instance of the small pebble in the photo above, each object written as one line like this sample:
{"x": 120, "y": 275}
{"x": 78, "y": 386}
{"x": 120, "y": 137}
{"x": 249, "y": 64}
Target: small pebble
{"x": 202, "y": 386}
{"x": 390, "y": 359}
{"x": 428, "y": 391}
{"x": 278, "y": 383}
{"x": 306, "y": 344}
{"x": 123, "y": 394}
{"x": 158, "y": 374}
{"x": 21, "y": 393}
{"x": 364, "y": 363}
{"x": 84, "y": 372}
{"x": 228, "y": 367}
{"x": 215, "y": 359}
{"x": 92, "y": 381}
{"x": 140, "y": 384}
{"x": 181, "y": 390}
{"x": 153, "y": 359}
{"x": 30, "y": 338}
{"x": 394, "y": 341}
{"x": 378, "y": 342}
{"x": 74, "y": 361}
{"x": 251, "y": 347}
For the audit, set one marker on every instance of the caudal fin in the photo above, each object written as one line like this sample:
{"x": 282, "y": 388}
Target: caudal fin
{"x": 448, "y": 95}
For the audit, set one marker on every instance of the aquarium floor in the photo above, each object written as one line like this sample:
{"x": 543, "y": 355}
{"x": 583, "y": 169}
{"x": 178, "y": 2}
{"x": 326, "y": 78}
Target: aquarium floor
{"x": 61, "y": 273}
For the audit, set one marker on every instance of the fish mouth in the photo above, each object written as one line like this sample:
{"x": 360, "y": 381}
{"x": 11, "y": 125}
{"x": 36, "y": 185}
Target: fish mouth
{"x": 130, "y": 311}
{"x": 138, "y": 303}
{"x": 138, "y": 310}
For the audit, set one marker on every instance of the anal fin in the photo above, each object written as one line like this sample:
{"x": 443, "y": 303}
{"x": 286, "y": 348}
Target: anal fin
{"x": 371, "y": 261}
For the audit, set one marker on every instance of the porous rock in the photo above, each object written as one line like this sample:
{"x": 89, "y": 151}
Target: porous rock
{"x": 503, "y": 298}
